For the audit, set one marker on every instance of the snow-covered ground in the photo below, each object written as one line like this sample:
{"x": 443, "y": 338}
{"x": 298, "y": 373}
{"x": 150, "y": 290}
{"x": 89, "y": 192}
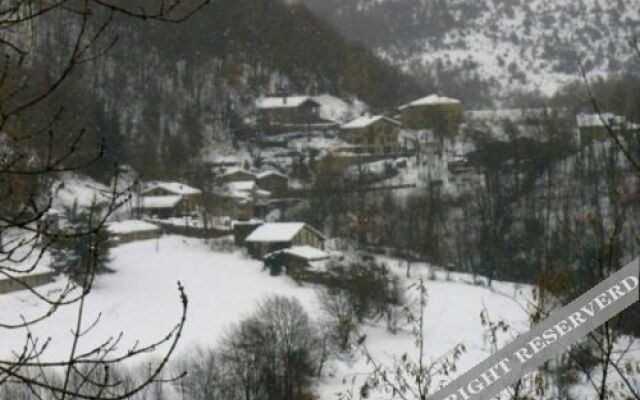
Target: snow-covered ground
{"x": 141, "y": 299}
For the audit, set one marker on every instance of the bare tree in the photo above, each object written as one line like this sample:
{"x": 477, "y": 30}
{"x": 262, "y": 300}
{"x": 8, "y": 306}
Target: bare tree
{"x": 412, "y": 376}
{"x": 274, "y": 353}
{"x": 34, "y": 148}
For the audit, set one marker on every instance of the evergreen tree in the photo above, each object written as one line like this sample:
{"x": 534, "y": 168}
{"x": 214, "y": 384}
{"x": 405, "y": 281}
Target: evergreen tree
{"x": 80, "y": 256}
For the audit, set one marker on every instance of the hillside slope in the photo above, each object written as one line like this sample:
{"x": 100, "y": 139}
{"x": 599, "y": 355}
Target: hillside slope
{"x": 499, "y": 45}
{"x": 168, "y": 93}
{"x": 223, "y": 288}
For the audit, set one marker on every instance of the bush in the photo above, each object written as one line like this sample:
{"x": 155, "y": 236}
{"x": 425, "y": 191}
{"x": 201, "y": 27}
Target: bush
{"x": 368, "y": 285}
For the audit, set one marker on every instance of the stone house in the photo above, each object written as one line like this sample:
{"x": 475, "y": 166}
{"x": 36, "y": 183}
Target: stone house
{"x": 286, "y": 112}
{"x": 442, "y": 115}
{"x": 372, "y": 134}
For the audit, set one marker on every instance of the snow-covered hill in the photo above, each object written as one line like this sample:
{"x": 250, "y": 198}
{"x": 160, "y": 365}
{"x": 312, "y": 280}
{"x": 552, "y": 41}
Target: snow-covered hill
{"x": 141, "y": 299}
{"x": 511, "y": 44}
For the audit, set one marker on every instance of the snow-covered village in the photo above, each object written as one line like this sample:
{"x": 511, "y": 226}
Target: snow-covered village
{"x": 317, "y": 199}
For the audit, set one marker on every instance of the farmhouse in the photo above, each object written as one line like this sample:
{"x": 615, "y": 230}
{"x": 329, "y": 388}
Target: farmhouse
{"x": 443, "y": 115}
{"x": 372, "y": 134}
{"x": 168, "y": 199}
{"x": 286, "y": 112}
{"x": 276, "y": 236}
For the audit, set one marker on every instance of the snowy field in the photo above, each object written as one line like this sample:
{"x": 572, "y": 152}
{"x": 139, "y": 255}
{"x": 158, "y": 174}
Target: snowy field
{"x": 141, "y": 299}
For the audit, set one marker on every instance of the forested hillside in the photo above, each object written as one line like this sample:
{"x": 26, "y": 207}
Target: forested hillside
{"x": 165, "y": 96}
{"x": 482, "y": 50}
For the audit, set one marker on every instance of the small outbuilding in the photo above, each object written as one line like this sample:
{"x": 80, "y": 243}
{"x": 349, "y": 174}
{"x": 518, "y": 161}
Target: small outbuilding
{"x": 297, "y": 261}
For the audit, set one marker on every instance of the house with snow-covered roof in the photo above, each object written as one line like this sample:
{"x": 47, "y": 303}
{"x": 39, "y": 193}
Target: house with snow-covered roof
{"x": 442, "y": 115}
{"x": 277, "y": 114}
{"x": 169, "y": 188}
{"x": 270, "y": 180}
{"x": 372, "y": 134}
{"x": 168, "y": 199}
{"x": 241, "y": 200}
{"x": 276, "y": 236}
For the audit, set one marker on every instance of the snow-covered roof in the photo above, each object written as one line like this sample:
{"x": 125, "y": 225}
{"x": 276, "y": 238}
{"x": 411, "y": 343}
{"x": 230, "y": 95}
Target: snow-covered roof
{"x": 244, "y": 190}
{"x": 585, "y": 120}
{"x": 173, "y": 187}
{"x": 282, "y": 102}
{"x": 265, "y": 174}
{"x": 150, "y": 202}
{"x": 130, "y": 226}
{"x": 335, "y": 109}
{"x": 511, "y": 114}
{"x": 277, "y": 232}
{"x": 430, "y": 100}
{"x": 367, "y": 120}
{"x": 81, "y": 190}
{"x": 307, "y": 252}
{"x": 241, "y": 186}
{"x": 236, "y": 170}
